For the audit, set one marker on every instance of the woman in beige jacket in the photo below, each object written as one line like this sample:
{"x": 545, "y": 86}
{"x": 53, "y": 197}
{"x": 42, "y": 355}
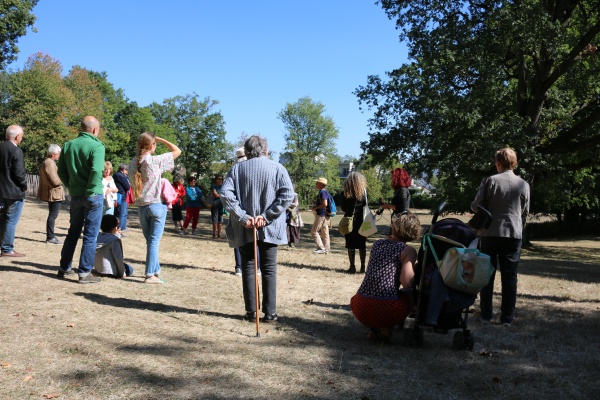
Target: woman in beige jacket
{"x": 51, "y": 190}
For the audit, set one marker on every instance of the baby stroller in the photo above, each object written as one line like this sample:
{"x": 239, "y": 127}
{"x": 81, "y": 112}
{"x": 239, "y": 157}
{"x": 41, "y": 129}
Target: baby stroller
{"x": 437, "y": 305}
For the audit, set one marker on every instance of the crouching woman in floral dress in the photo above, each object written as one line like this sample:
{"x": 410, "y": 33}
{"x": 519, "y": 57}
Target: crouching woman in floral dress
{"x": 379, "y": 304}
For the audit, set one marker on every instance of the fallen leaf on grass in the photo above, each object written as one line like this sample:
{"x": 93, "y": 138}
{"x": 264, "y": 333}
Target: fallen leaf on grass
{"x": 51, "y": 395}
{"x": 5, "y": 364}
{"x": 486, "y": 353}
{"x": 70, "y": 326}
{"x": 330, "y": 382}
{"x": 16, "y": 315}
{"x": 27, "y": 378}
{"x": 206, "y": 382}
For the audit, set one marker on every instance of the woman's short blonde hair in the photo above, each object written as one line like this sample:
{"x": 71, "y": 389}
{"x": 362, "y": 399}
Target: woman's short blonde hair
{"x": 108, "y": 165}
{"x": 406, "y": 227}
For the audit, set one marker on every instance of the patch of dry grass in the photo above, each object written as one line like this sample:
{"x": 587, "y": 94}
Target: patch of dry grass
{"x": 121, "y": 339}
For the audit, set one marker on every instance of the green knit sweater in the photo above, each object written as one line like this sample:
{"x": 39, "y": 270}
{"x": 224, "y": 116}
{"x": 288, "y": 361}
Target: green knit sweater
{"x": 81, "y": 164}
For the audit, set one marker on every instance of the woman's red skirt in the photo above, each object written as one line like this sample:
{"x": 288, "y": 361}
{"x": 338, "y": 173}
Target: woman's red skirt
{"x": 377, "y": 313}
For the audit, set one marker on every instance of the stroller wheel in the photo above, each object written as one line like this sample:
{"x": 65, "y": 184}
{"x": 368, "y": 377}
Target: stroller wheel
{"x": 470, "y": 341}
{"x": 419, "y": 337}
{"x": 408, "y": 337}
{"x": 458, "y": 343}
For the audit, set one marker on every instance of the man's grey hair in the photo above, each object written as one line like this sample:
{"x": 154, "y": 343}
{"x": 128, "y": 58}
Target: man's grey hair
{"x": 255, "y": 146}
{"x": 123, "y": 167}
{"x": 53, "y": 149}
{"x": 13, "y": 131}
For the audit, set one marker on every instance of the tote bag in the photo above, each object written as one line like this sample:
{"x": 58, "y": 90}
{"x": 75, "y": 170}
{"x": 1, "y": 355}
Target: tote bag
{"x": 368, "y": 227}
{"x": 466, "y": 270}
{"x": 347, "y": 223}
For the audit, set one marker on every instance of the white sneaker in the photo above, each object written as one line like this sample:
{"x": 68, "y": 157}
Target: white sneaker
{"x": 320, "y": 251}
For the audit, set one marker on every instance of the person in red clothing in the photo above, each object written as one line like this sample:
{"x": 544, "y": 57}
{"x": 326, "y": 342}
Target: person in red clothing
{"x": 178, "y": 204}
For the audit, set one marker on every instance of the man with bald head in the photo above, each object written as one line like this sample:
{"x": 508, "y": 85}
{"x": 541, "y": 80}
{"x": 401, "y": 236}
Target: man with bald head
{"x": 13, "y": 187}
{"x": 80, "y": 170}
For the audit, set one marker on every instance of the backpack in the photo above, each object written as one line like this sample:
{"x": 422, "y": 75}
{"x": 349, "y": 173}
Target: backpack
{"x": 331, "y": 209}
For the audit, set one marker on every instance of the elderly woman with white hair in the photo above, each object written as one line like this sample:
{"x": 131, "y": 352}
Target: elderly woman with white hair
{"x": 51, "y": 190}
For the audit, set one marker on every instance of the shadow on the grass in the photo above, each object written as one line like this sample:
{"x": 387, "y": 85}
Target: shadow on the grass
{"x": 310, "y": 267}
{"x": 551, "y": 263}
{"x": 44, "y": 267}
{"x": 123, "y": 302}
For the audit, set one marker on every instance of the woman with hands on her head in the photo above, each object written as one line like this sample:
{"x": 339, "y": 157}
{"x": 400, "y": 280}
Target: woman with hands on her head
{"x": 148, "y": 169}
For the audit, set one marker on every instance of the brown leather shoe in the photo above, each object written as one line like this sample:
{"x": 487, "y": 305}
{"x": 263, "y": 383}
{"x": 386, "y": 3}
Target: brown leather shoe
{"x": 13, "y": 254}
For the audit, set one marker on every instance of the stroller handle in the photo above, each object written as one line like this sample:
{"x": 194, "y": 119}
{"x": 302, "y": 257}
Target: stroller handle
{"x": 487, "y": 216}
{"x": 438, "y": 211}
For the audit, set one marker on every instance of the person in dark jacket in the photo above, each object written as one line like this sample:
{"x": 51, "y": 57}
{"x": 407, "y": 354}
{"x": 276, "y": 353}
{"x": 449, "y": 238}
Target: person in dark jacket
{"x": 13, "y": 187}
{"x": 353, "y": 204}
{"x": 121, "y": 178}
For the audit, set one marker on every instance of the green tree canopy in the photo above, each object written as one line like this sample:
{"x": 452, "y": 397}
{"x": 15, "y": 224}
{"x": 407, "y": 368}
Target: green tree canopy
{"x": 310, "y": 147}
{"x": 198, "y": 129}
{"x": 39, "y": 100}
{"x": 15, "y": 18}
{"x": 487, "y": 74}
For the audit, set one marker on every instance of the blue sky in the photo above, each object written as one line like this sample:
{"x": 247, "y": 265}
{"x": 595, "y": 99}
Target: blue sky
{"x": 251, "y": 56}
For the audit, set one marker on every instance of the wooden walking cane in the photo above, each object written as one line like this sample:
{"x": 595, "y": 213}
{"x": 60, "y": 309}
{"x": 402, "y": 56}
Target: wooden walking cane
{"x": 257, "y": 294}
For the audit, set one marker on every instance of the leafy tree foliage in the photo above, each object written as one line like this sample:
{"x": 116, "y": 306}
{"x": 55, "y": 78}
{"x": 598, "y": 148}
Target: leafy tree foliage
{"x": 310, "y": 147}
{"x": 487, "y": 74}
{"x": 15, "y": 18}
{"x": 198, "y": 129}
{"x": 39, "y": 100}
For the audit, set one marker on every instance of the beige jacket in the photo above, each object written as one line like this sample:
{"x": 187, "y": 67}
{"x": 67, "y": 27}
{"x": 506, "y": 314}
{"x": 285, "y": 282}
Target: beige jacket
{"x": 50, "y": 188}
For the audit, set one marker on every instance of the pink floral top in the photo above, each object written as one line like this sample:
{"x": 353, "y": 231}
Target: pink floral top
{"x": 152, "y": 168}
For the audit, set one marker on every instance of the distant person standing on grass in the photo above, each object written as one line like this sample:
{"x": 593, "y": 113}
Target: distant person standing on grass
{"x": 51, "y": 190}
{"x": 322, "y": 221}
{"x": 80, "y": 169}
{"x": 507, "y": 199}
{"x": 13, "y": 188}
{"x": 256, "y": 193}
{"x": 148, "y": 169}
{"x": 121, "y": 178}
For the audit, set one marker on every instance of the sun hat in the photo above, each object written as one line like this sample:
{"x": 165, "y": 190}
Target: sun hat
{"x": 322, "y": 180}
{"x": 240, "y": 154}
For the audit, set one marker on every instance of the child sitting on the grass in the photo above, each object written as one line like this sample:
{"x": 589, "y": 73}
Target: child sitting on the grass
{"x": 379, "y": 304}
{"x": 109, "y": 250}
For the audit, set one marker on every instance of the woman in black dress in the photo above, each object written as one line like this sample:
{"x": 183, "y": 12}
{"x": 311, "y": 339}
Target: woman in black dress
{"x": 353, "y": 204}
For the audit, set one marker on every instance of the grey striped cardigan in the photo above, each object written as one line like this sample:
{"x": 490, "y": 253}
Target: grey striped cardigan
{"x": 256, "y": 187}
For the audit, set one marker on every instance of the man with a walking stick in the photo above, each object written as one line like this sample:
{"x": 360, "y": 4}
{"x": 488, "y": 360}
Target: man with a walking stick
{"x": 256, "y": 193}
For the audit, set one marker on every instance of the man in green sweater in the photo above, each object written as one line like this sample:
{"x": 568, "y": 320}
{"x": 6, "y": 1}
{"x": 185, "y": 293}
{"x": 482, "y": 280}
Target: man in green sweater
{"x": 80, "y": 169}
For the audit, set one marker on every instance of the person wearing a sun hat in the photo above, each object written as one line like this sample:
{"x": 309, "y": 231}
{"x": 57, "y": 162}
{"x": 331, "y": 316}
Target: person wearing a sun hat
{"x": 320, "y": 228}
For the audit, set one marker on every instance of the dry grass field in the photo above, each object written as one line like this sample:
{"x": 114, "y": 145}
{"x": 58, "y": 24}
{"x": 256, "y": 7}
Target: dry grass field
{"x": 122, "y": 339}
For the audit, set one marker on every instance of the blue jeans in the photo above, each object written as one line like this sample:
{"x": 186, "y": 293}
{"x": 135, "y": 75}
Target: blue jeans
{"x": 152, "y": 220}
{"x": 85, "y": 213}
{"x": 267, "y": 253}
{"x": 121, "y": 212}
{"x": 8, "y": 223}
{"x": 505, "y": 254}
